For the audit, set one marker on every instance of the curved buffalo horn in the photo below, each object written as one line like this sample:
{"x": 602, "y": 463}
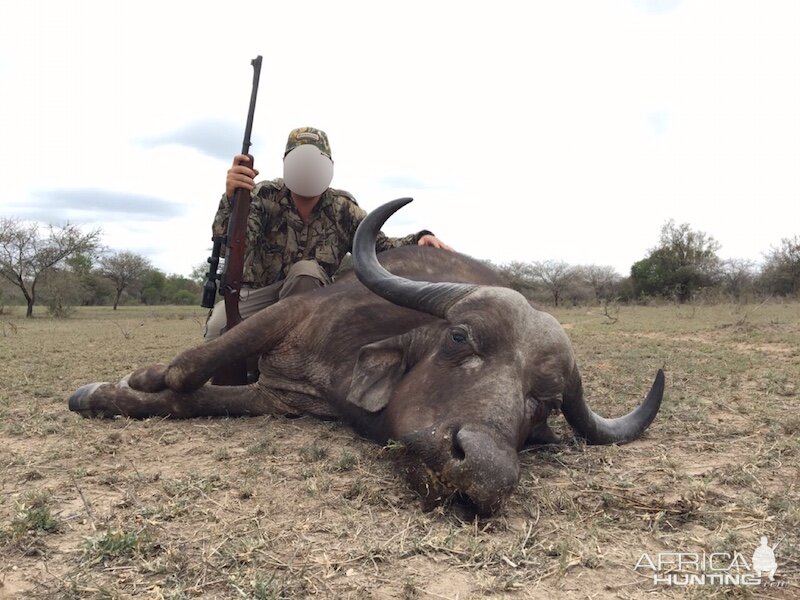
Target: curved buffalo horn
{"x": 432, "y": 298}
{"x": 598, "y": 430}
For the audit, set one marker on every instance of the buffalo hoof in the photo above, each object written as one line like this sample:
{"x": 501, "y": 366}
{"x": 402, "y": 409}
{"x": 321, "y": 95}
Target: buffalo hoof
{"x": 79, "y": 400}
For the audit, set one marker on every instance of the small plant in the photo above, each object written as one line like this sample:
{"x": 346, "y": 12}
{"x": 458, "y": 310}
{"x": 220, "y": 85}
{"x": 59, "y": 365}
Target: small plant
{"x": 29, "y": 525}
{"x": 346, "y": 461}
{"x": 610, "y": 312}
{"x": 114, "y": 545}
{"x": 263, "y": 446}
{"x": 356, "y": 489}
{"x": 33, "y": 516}
{"x": 313, "y": 453}
{"x": 263, "y": 590}
{"x": 222, "y": 454}
{"x": 125, "y": 333}
{"x": 9, "y": 329}
{"x": 58, "y": 308}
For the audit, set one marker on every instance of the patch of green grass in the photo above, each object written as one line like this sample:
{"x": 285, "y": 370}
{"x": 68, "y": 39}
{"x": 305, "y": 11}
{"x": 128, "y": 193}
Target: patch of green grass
{"x": 346, "y": 461}
{"x": 33, "y": 516}
{"x": 117, "y": 544}
{"x": 313, "y": 452}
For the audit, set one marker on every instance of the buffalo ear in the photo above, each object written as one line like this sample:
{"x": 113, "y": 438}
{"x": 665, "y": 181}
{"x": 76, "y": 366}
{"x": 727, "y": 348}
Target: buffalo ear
{"x": 379, "y": 367}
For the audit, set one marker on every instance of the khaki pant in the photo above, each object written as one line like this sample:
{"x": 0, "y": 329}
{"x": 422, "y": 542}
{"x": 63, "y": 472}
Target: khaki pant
{"x": 302, "y": 276}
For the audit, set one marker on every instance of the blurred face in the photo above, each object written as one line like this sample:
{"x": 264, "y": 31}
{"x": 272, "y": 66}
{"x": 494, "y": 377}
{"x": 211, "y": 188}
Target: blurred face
{"x": 307, "y": 171}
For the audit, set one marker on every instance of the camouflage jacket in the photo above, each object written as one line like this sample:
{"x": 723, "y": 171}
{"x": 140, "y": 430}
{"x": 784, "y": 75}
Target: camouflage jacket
{"x": 277, "y": 237}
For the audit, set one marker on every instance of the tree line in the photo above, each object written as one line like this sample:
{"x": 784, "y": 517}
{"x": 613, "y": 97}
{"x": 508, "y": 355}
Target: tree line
{"x": 683, "y": 266}
{"x": 63, "y": 267}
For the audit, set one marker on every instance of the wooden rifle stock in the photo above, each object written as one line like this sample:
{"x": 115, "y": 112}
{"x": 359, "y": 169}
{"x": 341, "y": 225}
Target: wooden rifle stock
{"x": 231, "y": 280}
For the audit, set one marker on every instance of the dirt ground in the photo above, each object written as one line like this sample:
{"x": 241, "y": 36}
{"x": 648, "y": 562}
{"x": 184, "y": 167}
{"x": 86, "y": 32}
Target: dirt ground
{"x": 289, "y": 508}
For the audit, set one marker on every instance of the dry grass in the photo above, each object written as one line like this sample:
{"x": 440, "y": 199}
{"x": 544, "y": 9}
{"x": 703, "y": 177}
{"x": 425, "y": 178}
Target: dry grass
{"x": 277, "y": 508}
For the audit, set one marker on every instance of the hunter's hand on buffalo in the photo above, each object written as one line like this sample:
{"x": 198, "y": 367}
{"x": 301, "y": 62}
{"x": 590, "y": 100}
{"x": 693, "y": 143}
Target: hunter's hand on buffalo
{"x": 433, "y": 241}
{"x": 240, "y": 175}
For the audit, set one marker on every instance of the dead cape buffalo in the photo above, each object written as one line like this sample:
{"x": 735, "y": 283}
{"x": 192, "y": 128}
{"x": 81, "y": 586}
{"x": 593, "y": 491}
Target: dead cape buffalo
{"x": 437, "y": 355}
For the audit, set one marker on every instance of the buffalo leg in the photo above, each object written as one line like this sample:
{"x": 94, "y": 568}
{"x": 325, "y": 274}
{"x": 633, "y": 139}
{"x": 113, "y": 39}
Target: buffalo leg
{"x": 148, "y": 379}
{"x": 195, "y": 366}
{"x": 109, "y": 400}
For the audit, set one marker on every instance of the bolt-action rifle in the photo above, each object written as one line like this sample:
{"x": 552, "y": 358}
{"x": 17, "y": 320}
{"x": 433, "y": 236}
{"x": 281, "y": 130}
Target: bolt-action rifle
{"x": 231, "y": 277}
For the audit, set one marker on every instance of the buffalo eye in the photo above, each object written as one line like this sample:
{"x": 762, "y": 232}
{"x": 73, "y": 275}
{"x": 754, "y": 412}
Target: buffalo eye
{"x": 458, "y": 336}
{"x": 458, "y": 345}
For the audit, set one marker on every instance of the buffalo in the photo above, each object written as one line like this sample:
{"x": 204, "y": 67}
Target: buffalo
{"x": 428, "y": 348}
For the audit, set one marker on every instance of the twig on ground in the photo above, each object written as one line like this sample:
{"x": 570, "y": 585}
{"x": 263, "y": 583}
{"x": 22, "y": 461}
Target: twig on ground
{"x": 85, "y": 503}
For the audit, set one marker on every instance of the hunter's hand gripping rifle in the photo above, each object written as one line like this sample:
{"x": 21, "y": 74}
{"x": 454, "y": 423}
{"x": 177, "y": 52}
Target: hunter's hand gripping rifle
{"x": 234, "y": 241}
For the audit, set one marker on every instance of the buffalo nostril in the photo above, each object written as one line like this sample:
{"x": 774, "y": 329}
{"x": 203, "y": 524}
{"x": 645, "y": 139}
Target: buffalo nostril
{"x": 456, "y": 449}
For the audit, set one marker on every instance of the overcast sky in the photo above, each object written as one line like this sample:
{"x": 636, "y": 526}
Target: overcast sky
{"x": 568, "y": 130}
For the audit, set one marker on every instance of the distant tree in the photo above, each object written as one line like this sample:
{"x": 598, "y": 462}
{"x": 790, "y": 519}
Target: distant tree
{"x": 94, "y": 289}
{"x": 555, "y": 276}
{"x": 684, "y": 261}
{"x": 521, "y": 277}
{"x": 737, "y": 276}
{"x": 602, "y": 280}
{"x": 625, "y": 290}
{"x": 181, "y": 290}
{"x": 199, "y": 272}
{"x": 152, "y": 285}
{"x": 80, "y": 264}
{"x": 577, "y": 292}
{"x": 781, "y": 271}
{"x": 60, "y": 290}
{"x": 97, "y": 289}
{"x": 123, "y": 269}
{"x": 26, "y": 255}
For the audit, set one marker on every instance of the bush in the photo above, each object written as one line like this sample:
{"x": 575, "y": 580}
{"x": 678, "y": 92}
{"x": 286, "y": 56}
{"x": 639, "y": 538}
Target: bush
{"x": 185, "y": 297}
{"x": 59, "y": 309}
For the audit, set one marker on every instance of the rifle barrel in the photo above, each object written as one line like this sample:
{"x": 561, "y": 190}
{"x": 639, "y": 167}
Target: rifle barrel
{"x": 256, "y": 62}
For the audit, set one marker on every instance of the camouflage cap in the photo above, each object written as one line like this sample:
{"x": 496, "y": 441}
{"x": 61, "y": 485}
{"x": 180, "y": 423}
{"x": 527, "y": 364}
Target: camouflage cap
{"x": 308, "y": 135}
